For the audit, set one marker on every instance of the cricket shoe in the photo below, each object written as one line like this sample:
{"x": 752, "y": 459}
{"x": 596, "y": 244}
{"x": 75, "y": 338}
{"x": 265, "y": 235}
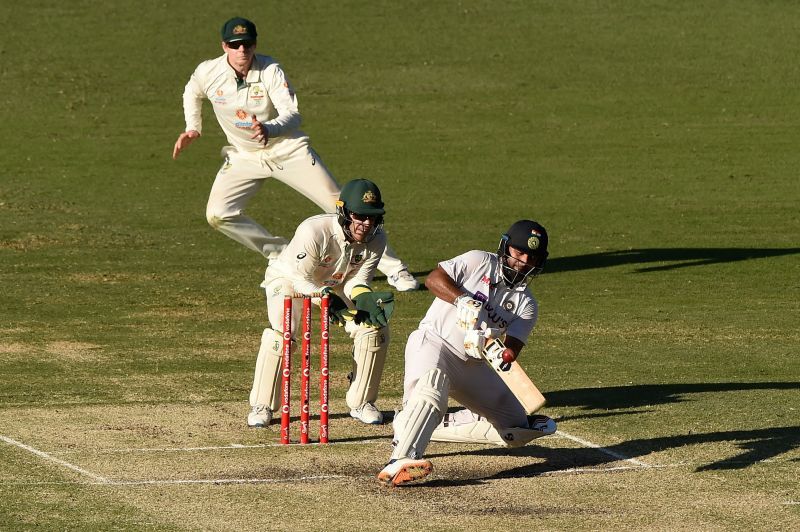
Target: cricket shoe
{"x": 403, "y": 281}
{"x": 543, "y": 424}
{"x": 367, "y": 413}
{"x": 405, "y": 471}
{"x": 259, "y": 417}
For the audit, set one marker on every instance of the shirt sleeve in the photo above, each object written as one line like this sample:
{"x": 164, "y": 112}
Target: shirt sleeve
{"x": 193, "y": 102}
{"x": 284, "y": 100}
{"x": 523, "y": 325}
{"x": 308, "y": 260}
{"x": 458, "y": 268}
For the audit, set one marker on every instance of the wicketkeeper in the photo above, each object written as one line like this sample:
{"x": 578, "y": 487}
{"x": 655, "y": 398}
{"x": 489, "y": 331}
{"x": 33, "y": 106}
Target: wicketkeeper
{"x": 483, "y": 310}
{"x": 335, "y": 254}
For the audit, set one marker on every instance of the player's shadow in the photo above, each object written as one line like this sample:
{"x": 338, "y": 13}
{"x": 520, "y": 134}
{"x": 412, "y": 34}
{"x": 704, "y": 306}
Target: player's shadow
{"x": 662, "y": 258}
{"x": 643, "y": 395}
{"x": 756, "y": 445}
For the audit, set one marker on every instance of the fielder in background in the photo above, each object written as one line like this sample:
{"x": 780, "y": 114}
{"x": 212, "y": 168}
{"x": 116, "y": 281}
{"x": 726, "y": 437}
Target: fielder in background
{"x": 256, "y": 107}
{"x": 335, "y": 254}
{"x": 473, "y": 331}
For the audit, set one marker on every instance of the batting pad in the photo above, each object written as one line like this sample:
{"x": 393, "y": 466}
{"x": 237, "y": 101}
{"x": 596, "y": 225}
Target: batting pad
{"x": 466, "y": 427}
{"x": 414, "y": 425}
{"x": 266, "y": 387}
{"x": 369, "y": 356}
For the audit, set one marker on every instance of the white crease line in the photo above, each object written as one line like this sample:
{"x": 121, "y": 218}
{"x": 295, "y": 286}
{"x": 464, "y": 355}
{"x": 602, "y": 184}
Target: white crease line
{"x": 581, "y": 470}
{"x": 41, "y": 454}
{"x": 227, "y": 480}
{"x": 216, "y": 447}
{"x": 603, "y": 449}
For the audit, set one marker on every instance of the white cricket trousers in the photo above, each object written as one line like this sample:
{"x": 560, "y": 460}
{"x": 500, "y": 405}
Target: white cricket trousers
{"x": 472, "y": 383}
{"x": 243, "y": 174}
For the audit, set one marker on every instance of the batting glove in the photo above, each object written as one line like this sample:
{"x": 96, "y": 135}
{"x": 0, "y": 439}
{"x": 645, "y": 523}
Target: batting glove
{"x": 498, "y": 355}
{"x": 467, "y": 311}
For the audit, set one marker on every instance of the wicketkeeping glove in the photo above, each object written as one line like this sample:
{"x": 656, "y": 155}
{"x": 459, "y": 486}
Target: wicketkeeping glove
{"x": 467, "y": 310}
{"x": 337, "y": 308}
{"x": 374, "y": 308}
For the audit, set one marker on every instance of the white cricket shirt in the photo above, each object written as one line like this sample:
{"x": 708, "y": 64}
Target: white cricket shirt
{"x": 320, "y": 256}
{"x": 265, "y": 92}
{"x": 515, "y": 311}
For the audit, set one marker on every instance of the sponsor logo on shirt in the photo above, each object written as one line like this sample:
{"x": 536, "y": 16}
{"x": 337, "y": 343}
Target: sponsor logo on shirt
{"x": 301, "y": 256}
{"x": 492, "y": 312}
{"x": 485, "y": 280}
{"x": 327, "y": 259}
{"x": 241, "y": 114}
{"x": 219, "y": 97}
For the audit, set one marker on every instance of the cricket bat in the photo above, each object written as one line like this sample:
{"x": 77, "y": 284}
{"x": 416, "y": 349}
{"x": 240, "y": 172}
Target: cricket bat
{"x": 515, "y": 378}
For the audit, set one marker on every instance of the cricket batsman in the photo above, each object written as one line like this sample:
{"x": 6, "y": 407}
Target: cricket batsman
{"x": 334, "y": 254}
{"x": 483, "y": 313}
{"x": 257, "y": 109}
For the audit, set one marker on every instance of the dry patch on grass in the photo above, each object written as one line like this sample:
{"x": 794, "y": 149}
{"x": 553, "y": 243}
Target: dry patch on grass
{"x": 110, "y": 278}
{"x": 74, "y": 351}
{"x": 30, "y": 242}
{"x": 14, "y": 348}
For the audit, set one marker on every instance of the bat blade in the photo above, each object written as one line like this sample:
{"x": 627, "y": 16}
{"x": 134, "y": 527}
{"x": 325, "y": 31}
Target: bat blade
{"x": 521, "y": 386}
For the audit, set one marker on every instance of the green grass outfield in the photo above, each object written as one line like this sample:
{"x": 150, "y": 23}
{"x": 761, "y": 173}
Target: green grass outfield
{"x": 656, "y": 140}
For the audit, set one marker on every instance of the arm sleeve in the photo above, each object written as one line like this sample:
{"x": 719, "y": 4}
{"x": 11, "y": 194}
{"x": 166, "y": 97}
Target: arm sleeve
{"x": 284, "y": 99}
{"x": 193, "y": 103}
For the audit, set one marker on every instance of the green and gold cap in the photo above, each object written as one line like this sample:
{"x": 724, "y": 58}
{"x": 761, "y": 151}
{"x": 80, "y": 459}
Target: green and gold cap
{"x": 361, "y": 196}
{"x": 238, "y": 29}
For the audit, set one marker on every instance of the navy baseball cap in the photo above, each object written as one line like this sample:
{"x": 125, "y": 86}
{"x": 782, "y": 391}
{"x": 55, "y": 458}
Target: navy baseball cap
{"x": 238, "y": 29}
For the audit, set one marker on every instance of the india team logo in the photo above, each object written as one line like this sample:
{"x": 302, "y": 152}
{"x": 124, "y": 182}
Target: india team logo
{"x": 533, "y": 240}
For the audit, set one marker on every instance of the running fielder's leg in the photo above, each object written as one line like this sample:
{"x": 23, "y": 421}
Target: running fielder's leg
{"x": 369, "y": 357}
{"x": 307, "y": 174}
{"x": 413, "y": 427}
{"x": 237, "y": 181}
